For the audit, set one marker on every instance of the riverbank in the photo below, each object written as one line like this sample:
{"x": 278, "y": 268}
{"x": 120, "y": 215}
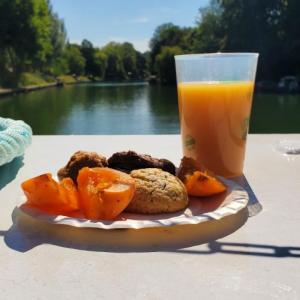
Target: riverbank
{"x": 7, "y": 92}
{"x": 62, "y": 80}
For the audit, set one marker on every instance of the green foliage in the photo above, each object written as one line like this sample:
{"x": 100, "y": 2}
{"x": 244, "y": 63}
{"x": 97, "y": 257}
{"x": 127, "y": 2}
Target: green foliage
{"x": 58, "y": 36}
{"x": 270, "y": 27}
{"x": 142, "y": 64}
{"x": 60, "y": 65}
{"x": 167, "y": 36}
{"x": 82, "y": 79}
{"x": 129, "y": 58}
{"x": 100, "y": 62}
{"x": 209, "y": 34}
{"x": 66, "y": 79}
{"x": 115, "y": 61}
{"x": 291, "y": 36}
{"x": 33, "y": 40}
{"x": 41, "y": 22}
{"x": 31, "y": 79}
{"x": 25, "y": 32}
{"x": 88, "y": 52}
{"x": 166, "y": 64}
{"x": 75, "y": 60}
{"x": 253, "y": 26}
{"x": 115, "y": 67}
{"x": 31, "y": 36}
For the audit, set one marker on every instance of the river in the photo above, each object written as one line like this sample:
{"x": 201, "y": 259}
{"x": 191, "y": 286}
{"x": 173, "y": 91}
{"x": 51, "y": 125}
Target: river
{"x": 131, "y": 109}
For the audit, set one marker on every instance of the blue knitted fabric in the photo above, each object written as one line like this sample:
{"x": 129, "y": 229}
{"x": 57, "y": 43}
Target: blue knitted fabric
{"x": 15, "y": 136}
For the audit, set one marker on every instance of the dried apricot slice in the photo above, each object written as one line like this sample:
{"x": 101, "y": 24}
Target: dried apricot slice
{"x": 202, "y": 184}
{"x": 104, "y": 192}
{"x": 44, "y": 193}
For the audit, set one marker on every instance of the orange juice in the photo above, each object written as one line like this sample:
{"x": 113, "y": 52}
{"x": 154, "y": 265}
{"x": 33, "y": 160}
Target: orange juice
{"x": 214, "y": 119}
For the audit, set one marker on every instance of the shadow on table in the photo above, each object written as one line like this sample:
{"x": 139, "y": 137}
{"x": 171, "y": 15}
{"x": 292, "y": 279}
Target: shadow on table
{"x": 27, "y": 233}
{"x": 246, "y": 249}
{"x": 8, "y": 172}
{"x": 254, "y": 206}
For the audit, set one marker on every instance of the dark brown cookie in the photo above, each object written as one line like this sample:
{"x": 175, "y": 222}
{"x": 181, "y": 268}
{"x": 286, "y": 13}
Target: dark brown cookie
{"x": 79, "y": 160}
{"x": 130, "y": 160}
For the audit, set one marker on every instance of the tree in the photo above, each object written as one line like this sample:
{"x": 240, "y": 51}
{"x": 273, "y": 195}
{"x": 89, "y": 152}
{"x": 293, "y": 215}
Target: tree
{"x": 252, "y": 26}
{"x": 129, "y": 58}
{"x": 169, "y": 35}
{"x": 30, "y": 36}
{"x": 100, "y": 63}
{"x": 209, "y": 34}
{"x": 58, "y": 36}
{"x": 60, "y": 65}
{"x": 25, "y": 31}
{"x": 88, "y": 52}
{"x": 142, "y": 64}
{"x": 115, "y": 68}
{"x": 270, "y": 27}
{"x": 166, "y": 64}
{"x": 290, "y": 37}
{"x": 164, "y": 35}
{"x": 75, "y": 60}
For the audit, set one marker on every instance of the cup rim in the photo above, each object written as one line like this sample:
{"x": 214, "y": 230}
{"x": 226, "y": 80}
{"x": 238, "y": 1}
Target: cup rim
{"x": 216, "y": 55}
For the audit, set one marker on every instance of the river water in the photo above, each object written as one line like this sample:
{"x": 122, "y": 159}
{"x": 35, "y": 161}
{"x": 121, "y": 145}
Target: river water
{"x": 131, "y": 109}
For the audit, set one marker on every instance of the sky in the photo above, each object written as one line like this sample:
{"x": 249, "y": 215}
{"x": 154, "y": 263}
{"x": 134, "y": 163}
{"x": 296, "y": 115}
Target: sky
{"x": 134, "y": 21}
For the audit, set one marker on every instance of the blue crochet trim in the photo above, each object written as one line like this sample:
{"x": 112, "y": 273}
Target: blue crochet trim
{"x": 15, "y": 136}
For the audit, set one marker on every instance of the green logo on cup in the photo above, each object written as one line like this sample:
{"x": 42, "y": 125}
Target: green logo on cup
{"x": 189, "y": 142}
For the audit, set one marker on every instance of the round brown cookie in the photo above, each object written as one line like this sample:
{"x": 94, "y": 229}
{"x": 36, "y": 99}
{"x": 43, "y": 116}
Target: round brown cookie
{"x": 157, "y": 192}
{"x": 79, "y": 160}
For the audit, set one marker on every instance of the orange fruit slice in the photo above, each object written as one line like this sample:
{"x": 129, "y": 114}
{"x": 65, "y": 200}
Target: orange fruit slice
{"x": 201, "y": 184}
{"x": 104, "y": 192}
{"x": 44, "y": 193}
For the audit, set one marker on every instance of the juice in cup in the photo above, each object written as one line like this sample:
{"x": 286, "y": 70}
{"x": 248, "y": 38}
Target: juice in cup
{"x": 214, "y": 119}
{"x": 215, "y": 98}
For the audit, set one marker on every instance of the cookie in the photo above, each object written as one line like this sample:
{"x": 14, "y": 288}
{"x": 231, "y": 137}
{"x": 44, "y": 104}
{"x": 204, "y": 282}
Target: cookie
{"x": 129, "y": 160}
{"x": 79, "y": 160}
{"x": 157, "y": 192}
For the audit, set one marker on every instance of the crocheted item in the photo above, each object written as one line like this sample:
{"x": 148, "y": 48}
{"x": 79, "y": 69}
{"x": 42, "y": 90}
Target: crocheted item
{"x": 15, "y": 136}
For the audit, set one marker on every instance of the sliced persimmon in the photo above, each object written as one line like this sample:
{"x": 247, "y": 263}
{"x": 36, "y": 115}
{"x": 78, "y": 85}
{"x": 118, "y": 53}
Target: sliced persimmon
{"x": 201, "y": 184}
{"x": 44, "y": 193}
{"x": 104, "y": 192}
{"x": 69, "y": 193}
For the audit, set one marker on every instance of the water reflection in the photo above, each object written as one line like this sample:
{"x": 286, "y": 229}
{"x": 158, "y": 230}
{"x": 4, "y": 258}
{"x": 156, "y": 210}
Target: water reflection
{"x": 273, "y": 113}
{"x": 131, "y": 109}
{"x": 164, "y": 108}
{"x": 100, "y": 109}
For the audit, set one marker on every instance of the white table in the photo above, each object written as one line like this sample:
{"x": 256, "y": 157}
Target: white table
{"x": 254, "y": 258}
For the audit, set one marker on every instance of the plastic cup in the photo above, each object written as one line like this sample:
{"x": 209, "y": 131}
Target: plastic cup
{"x": 215, "y": 97}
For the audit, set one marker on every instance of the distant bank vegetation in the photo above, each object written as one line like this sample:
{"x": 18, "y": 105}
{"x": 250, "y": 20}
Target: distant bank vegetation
{"x": 35, "y": 48}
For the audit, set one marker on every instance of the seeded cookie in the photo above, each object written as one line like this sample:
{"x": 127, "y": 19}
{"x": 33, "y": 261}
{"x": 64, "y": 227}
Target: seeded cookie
{"x": 157, "y": 192}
